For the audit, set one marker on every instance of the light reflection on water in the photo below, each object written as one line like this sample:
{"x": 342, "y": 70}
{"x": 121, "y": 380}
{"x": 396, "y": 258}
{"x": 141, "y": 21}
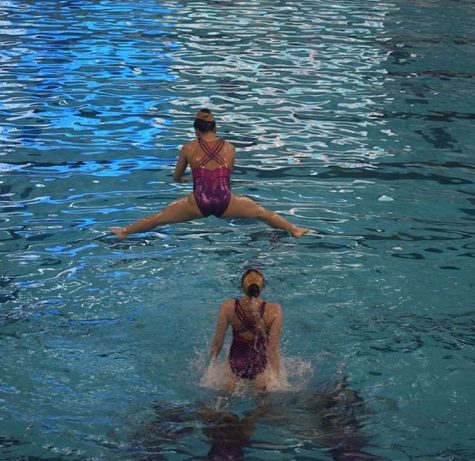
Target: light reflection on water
{"x": 353, "y": 118}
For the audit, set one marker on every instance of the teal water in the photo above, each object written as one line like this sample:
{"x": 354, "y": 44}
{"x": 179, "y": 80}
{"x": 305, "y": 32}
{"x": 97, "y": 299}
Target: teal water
{"x": 353, "y": 118}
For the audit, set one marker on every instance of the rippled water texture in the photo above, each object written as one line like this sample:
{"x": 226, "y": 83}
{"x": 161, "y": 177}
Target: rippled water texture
{"x": 352, "y": 117}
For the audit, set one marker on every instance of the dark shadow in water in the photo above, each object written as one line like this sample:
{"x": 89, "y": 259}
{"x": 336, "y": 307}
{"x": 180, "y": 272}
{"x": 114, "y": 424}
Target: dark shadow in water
{"x": 440, "y": 74}
{"x": 438, "y": 137}
{"x": 227, "y": 433}
{"x": 431, "y": 116}
{"x": 9, "y": 296}
{"x": 326, "y": 419}
{"x": 8, "y": 445}
{"x": 5, "y": 294}
{"x": 172, "y": 422}
{"x": 8, "y": 442}
{"x": 330, "y": 418}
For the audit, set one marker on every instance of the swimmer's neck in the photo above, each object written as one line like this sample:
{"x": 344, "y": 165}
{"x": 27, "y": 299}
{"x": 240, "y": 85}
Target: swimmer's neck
{"x": 207, "y": 137}
{"x": 248, "y": 301}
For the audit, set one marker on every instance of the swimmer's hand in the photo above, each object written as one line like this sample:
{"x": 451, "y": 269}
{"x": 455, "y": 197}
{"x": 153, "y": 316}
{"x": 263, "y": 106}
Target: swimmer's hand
{"x": 183, "y": 179}
{"x": 119, "y": 231}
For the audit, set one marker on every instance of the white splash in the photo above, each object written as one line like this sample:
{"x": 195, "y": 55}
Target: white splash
{"x": 295, "y": 374}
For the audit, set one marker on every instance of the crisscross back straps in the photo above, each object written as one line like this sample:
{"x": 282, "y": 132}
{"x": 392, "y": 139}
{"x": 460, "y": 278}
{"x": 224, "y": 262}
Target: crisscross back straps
{"x": 247, "y": 323}
{"x": 211, "y": 153}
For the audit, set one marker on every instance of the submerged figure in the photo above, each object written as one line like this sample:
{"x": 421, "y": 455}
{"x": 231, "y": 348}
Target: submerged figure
{"x": 256, "y": 324}
{"x": 211, "y": 160}
{"x": 335, "y": 412}
{"x": 329, "y": 419}
{"x": 228, "y": 433}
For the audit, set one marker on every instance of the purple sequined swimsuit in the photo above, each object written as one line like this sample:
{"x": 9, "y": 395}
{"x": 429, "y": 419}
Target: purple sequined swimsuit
{"x": 212, "y": 188}
{"x": 247, "y": 357}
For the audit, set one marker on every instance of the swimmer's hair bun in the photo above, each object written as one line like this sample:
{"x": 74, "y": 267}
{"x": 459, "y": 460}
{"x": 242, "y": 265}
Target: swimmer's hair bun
{"x": 253, "y": 282}
{"x": 205, "y": 115}
{"x": 253, "y": 290}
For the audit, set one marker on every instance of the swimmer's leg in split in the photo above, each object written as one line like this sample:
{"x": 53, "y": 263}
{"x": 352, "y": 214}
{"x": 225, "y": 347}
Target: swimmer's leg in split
{"x": 186, "y": 209}
{"x": 244, "y": 207}
{"x": 181, "y": 210}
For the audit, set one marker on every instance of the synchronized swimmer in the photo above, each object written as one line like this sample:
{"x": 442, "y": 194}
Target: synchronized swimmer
{"x": 211, "y": 160}
{"x": 256, "y": 324}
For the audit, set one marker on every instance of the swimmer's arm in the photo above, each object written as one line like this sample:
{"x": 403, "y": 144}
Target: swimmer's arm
{"x": 274, "y": 341}
{"x": 221, "y": 327}
{"x": 181, "y": 165}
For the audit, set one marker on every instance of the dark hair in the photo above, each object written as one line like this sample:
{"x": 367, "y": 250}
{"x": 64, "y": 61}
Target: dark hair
{"x": 253, "y": 290}
{"x": 202, "y": 125}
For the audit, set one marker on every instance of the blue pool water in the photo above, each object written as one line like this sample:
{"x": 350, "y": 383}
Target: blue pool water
{"x": 354, "y": 118}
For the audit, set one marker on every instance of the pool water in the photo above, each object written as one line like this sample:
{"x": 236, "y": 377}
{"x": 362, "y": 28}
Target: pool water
{"x": 354, "y": 118}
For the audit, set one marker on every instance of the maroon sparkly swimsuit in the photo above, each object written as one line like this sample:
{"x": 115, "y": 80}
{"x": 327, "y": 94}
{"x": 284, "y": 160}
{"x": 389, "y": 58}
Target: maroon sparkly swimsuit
{"x": 212, "y": 188}
{"x": 248, "y": 357}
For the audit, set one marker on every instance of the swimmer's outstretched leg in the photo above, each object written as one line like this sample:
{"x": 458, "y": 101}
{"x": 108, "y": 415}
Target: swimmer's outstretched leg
{"x": 244, "y": 207}
{"x": 181, "y": 210}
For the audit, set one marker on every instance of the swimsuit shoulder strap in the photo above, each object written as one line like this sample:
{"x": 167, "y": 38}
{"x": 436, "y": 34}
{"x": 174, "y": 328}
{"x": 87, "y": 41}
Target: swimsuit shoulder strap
{"x": 262, "y": 308}
{"x": 211, "y": 153}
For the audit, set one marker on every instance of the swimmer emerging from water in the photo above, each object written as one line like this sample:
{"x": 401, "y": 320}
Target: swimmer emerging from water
{"x": 256, "y": 324}
{"x": 211, "y": 160}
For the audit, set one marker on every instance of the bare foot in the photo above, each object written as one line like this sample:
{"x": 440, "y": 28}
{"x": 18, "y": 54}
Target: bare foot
{"x": 119, "y": 231}
{"x": 299, "y": 231}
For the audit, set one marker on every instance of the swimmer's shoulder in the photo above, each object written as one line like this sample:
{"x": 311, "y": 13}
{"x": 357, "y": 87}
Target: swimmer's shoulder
{"x": 228, "y": 147}
{"x": 273, "y": 310}
{"x": 227, "y": 307}
{"x": 189, "y": 147}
